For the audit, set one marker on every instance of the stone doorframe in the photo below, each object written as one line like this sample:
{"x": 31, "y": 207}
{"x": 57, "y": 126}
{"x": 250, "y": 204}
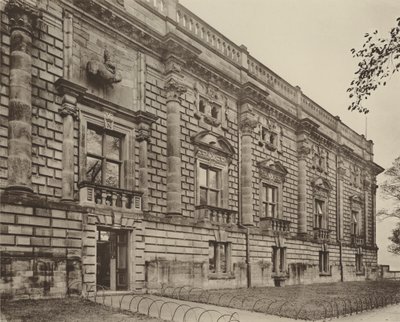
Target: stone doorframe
{"x": 112, "y": 221}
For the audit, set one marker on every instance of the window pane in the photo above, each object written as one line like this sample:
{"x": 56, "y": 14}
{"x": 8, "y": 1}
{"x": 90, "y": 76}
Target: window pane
{"x": 223, "y": 257}
{"x": 203, "y": 177}
{"x": 122, "y": 250}
{"x": 319, "y": 206}
{"x": 203, "y": 196}
{"x": 273, "y": 211}
{"x": 112, "y": 147}
{"x": 270, "y": 194}
{"x": 94, "y": 142}
{"x": 213, "y": 196}
{"x": 270, "y": 210}
{"x": 211, "y": 257}
{"x": 93, "y": 170}
{"x": 111, "y": 177}
{"x": 212, "y": 179}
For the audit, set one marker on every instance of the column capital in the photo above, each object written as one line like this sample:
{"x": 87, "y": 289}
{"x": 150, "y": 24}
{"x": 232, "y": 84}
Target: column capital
{"x": 68, "y": 106}
{"x": 248, "y": 124}
{"x": 143, "y": 133}
{"x": 303, "y": 149}
{"x": 174, "y": 90}
{"x": 22, "y": 15}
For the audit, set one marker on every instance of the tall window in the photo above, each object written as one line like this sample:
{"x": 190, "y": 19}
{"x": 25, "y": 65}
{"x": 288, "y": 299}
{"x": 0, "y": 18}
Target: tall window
{"x": 359, "y": 263}
{"x": 319, "y": 211}
{"x": 270, "y": 201}
{"x": 354, "y": 223}
{"x": 324, "y": 262}
{"x": 210, "y": 186}
{"x": 278, "y": 260}
{"x": 103, "y": 161}
{"x": 218, "y": 257}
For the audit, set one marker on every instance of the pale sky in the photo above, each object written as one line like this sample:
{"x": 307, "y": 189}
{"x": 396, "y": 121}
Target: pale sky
{"x": 308, "y": 42}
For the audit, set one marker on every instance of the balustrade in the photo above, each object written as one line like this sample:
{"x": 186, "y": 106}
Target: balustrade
{"x": 357, "y": 240}
{"x": 108, "y": 196}
{"x": 321, "y": 233}
{"x": 217, "y": 215}
{"x": 275, "y": 224}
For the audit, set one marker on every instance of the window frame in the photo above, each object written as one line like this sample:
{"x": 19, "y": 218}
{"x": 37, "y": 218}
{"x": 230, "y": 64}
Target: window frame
{"x": 217, "y": 260}
{"x": 323, "y": 217}
{"x": 217, "y": 190}
{"x": 324, "y": 264}
{"x": 265, "y": 202}
{"x": 282, "y": 264}
{"x": 103, "y": 157}
{"x": 123, "y": 128}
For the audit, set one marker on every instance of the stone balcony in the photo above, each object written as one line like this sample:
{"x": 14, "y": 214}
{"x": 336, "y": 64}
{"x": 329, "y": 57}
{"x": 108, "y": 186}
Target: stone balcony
{"x": 93, "y": 194}
{"x": 275, "y": 224}
{"x": 216, "y": 215}
{"x": 321, "y": 234}
{"x": 357, "y": 240}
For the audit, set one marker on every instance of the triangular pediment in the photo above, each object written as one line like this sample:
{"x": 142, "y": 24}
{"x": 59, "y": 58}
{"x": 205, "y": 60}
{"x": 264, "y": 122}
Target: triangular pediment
{"x": 212, "y": 141}
{"x": 322, "y": 183}
{"x": 274, "y": 166}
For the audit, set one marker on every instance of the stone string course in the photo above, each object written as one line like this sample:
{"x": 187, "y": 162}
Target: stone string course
{"x": 48, "y": 236}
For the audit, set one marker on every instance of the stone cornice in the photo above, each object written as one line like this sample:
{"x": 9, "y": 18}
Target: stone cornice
{"x": 173, "y": 45}
{"x": 145, "y": 117}
{"x": 65, "y": 86}
{"x": 307, "y": 126}
{"x": 251, "y": 93}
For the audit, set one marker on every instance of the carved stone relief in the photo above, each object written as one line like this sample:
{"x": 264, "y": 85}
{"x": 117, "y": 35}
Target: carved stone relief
{"x": 320, "y": 159}
{"x": 104, "y": 73}
{"x": 211, "y": 105}
{"x": 270, "y": 134}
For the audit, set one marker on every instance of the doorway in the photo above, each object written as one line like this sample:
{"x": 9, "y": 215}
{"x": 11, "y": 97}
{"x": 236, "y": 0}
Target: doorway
{"x": 112, "y": 259}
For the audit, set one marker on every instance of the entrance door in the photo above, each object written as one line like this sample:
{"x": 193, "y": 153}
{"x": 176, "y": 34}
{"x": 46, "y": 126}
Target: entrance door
{"x": 112, "y": 259}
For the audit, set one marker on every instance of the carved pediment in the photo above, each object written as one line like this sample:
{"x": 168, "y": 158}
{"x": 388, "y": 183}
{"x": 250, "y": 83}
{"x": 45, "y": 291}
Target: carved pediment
{"x": 212, "y": 142}
{"x": 322, "y": 184}
{"x": 356, "y": 202}
{"x": 272, "y": 170}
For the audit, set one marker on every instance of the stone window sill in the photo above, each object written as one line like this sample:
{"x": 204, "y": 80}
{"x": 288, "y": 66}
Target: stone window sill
{"x": 361, "y": 273}
{"x": 221, "y": 276}
{"x": 325, "y": 274}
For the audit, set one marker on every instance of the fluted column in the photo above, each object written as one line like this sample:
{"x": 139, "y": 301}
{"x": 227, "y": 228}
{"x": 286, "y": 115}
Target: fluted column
{"x": 174, "y": 90}
{"x": 68, "y": 112}
{"x": 341, "y": 173}
{"x": 373, "y": 192}
{"x": 22, "y": 19}
{"x": 303, "y": 151}
{"x": 143, "y": 137}
{"x": 367, "y": 189}
{"x": 247, "y": 126}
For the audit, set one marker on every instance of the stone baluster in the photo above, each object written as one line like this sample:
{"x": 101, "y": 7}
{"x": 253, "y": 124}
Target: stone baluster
{"x": 124, "y": 200}
{"x": 22, "y": 19}
{"x": 114, "y": 197}
{"x": 174, "y": 90}
{"x": 103, "y": 197}
{"x": 247, "y": 125}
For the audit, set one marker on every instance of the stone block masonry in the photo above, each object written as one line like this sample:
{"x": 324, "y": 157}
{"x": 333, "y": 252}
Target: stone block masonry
{"x": 139, "y": 146}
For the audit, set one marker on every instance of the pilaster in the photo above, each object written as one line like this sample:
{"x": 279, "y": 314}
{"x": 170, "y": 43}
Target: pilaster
{"x": 69, "y": 112}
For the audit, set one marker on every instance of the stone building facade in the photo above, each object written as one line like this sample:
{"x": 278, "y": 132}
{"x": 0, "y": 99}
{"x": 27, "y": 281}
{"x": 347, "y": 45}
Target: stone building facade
{"x": 140, "y": 146}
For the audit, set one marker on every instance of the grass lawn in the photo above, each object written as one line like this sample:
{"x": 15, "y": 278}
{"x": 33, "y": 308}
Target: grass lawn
{"x": 68, "y": 309}
{"x": 302, "y": 301}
